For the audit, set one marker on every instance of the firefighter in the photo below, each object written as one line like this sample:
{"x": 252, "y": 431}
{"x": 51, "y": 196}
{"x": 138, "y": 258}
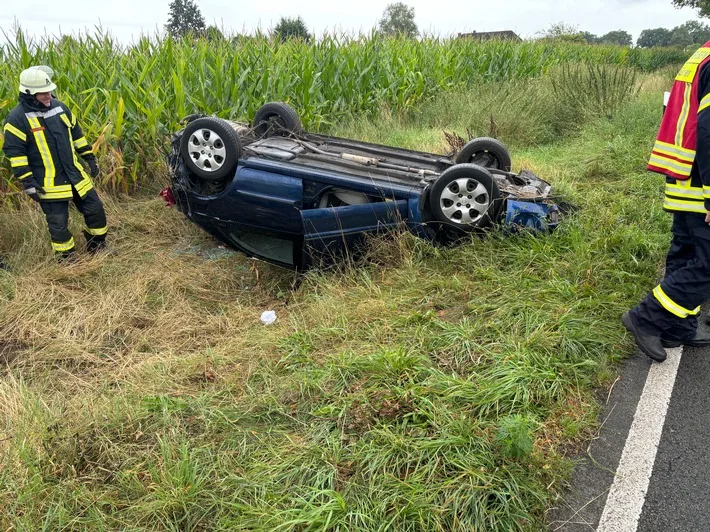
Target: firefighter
{"x": 44, "y": 144}
{"x": 667, "y": 317}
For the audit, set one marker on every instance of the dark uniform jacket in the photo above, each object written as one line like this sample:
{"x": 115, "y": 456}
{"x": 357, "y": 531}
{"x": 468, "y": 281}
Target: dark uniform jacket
{"x": 44, "y": 145}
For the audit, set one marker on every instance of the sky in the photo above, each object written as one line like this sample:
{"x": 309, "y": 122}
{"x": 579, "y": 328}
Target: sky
{"x": 128, "y": 19}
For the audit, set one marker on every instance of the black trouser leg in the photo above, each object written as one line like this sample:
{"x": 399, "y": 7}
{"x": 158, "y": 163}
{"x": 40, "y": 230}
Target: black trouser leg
{"x": 92, "y": 209}
{"x": 57, "y": 214}
{"x": 671, "y": 309}
{"x": 682, "y": 248}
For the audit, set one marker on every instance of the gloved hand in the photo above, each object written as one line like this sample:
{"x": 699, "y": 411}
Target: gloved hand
{"x": 93, "y": 167}
{"x": 33, "y": 192}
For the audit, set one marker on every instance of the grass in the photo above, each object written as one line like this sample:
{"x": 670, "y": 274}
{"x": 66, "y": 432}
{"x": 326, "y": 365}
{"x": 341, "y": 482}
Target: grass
{"x": 420, "y": 389}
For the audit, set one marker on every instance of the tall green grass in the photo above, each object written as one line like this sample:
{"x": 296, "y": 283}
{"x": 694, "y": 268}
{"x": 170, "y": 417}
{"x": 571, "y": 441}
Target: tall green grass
{"x": 129, "y": 98}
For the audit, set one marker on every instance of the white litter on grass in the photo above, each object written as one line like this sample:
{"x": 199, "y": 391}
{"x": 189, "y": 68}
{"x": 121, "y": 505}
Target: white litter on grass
{"x": 268, "y": 317}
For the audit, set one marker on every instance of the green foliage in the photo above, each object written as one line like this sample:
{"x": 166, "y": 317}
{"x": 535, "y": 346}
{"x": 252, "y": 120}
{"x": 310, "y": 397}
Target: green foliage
{"x": 654, "y": 37}
{"x": 589, "y": 38}
{"x": 591, "y": 89}
{"x": 398, "y": 20}
{"x": 138, "y": 97}
{"x": 515, "y": 435}
{"x": 185, "y": 18}
{"x": 703, "y": 6}
{"x": 292, "y": 28}
{"x": 691, "y": 33}
{"x": 617, "y": 37}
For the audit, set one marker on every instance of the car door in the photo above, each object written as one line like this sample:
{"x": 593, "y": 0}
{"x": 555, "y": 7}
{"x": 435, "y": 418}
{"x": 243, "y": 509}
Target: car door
{"x": 330, "y": 231}
{"x": 259, "y": 214}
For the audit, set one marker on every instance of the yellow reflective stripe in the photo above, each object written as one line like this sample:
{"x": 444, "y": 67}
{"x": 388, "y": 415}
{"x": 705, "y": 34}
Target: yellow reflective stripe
{"x": 65, "y": 120}
{"x": 706, "y": 192}
{"x": 58, "y": 192}
{"x": 25, "y": 176}
{"x": 684, "y": 113}
{"x": 672, "y": 204}
{"x": 669, "y": 164}
{"x": 84, "y": 186}
{"x": 63, "y": 246}
{"x": 671, "y": 306}
{"x": 21, "y": 160}
{"x": 689, "y": 192}
{"x": 677, "y": 150}
{"x": 704, "y": 103}
{"x": 675, "y": 153}
{"x": 19, "y": 134}
{"x": 98, "y": 231}
{"x": 80, "y": 143}
{"x": 49, "y": 171}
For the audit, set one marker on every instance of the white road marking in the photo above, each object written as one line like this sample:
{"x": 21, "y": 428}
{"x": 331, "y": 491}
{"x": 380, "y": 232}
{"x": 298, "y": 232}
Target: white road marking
{"x": 628, "y": 492}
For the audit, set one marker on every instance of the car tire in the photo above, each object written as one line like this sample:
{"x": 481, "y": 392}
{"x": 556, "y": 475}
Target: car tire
{"x": 464, "y": 196}
{"x": 210, "y": 148}
{"x": 273, "y": 117}
{"x": 486, "y": 152}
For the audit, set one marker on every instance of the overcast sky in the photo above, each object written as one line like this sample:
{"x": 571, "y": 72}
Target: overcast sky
{"x": 127, "y": 19}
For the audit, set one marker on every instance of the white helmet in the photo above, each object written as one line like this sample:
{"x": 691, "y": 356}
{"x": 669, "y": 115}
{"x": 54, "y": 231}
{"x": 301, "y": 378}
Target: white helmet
{"x": 36, "y": 79}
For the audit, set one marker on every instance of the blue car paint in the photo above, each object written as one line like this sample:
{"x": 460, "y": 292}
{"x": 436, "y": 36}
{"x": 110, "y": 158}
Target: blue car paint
{"x": 268, "y": 197}
{"x": 530, "y": 215}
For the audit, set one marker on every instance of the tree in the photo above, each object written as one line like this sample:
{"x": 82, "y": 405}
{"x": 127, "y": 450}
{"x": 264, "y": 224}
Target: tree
{"x": 184, "y": 17}
{"x": 214, "y": 34}
{"x": 654, "y": 37}
{"x": 589, "y": 38}
{"x": 560, "y": 29}
{"x": 703, "y": 6}
{"x": 618, "y": 37}
{"x": 692, "y": 32}
{"x": 398, "y": 19}
{"x": 292, "y": 28}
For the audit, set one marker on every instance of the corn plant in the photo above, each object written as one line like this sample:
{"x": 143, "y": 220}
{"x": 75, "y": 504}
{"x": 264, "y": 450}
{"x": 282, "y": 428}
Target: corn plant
{"x": 129, "y": 98}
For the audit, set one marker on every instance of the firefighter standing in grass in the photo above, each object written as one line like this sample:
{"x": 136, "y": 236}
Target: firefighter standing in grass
{"x": 667, "y": 317}
{"x": 44, "y": 144}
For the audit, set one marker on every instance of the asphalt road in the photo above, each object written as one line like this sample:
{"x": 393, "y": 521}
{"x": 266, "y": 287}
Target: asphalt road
{"x": 676, "y": 497}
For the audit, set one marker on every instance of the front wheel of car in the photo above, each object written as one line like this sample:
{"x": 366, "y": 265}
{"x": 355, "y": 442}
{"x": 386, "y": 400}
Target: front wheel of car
{"x": 486, "y": 152}
{"x": 464, "y": 196}
{"x": 276, "y": 117}
{"x": 210, "y": 148}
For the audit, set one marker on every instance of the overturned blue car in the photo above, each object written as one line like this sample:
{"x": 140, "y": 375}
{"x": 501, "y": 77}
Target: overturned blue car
{"x": 295, "y": 199}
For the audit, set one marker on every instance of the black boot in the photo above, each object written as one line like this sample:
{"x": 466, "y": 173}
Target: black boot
{"x": 649, "y": 344}
{"x": 66, "y": 257}
{"x": 94, "y": 243}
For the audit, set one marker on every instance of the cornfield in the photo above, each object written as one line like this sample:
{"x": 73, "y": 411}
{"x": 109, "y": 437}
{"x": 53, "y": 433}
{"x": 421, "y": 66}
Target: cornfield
{"x": 129, "y": 99}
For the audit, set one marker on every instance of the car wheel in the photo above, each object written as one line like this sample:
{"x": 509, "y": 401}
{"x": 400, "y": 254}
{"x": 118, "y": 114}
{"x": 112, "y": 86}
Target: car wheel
{"x": 464, "y": 196}
{"x": 273, "y": 117}
{"x": 210, "y": 148}
{"x": 486, "y": 152}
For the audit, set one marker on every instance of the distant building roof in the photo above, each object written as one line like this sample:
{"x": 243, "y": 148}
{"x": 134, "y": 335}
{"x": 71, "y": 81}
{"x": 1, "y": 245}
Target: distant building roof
{"x": 506, "y": 35}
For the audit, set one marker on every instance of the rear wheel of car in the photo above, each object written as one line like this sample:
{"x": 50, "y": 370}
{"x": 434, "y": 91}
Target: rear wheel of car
{"x": 486, "y": 152}
{"x": 210, "y": 148}
{"x": 275, "y": 117}
{"x": 464, "y": 196}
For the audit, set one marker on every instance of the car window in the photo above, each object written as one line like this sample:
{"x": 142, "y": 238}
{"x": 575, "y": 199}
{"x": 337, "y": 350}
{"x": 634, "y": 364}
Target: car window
{"x": 265, "y": 246}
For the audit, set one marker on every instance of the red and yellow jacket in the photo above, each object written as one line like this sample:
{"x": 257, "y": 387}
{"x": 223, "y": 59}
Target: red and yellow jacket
{"x": 675, "y": 150}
